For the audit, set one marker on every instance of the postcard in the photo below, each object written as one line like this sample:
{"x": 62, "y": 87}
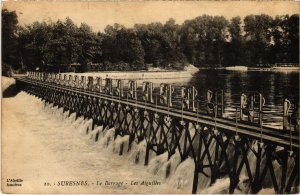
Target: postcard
{"x": 150, "y": 97}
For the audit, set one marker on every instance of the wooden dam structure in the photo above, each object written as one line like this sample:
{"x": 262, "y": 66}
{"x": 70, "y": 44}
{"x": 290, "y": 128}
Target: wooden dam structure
{"x": 219, "y": 146}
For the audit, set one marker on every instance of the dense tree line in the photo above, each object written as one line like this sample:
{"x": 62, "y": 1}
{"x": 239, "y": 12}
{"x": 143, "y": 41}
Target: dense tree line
{"x": 205, "y": 41}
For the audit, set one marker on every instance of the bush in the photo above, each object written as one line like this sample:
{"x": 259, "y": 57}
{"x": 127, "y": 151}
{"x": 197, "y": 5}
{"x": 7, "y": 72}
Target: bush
{"x": 6, "y": 70}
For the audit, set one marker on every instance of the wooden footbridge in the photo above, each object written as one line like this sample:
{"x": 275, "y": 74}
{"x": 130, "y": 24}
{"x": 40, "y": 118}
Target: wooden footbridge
{"x": 171, "y": 121}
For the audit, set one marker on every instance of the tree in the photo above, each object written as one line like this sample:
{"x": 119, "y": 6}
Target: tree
{"x": 33, "y": 45}
{"x": 218, "y": 29}
{"x": 129, "y": 48}
{"x": 64, "y": 44}
{"x": 258, "y": 35}
{"x": 150, "y": 37}
{"x": 173, "y": 55}
{"x": 188, "y": 41}
{"x": 87, "y": 46}
{"x": 292, "y": 33}
{"x": 278, "y": 48}
{"x": 9, "y": 37}
{"x": 233, "y": 51}
{"x": 203, "y": 41}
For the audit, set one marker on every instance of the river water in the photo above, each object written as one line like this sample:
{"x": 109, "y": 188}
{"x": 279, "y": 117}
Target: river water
{"x": 42, "y": 145}
{"x": 51, "y": 152}
{"x": 274, "y": 86}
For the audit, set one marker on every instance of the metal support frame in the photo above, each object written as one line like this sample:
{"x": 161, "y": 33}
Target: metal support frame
{"x": 215, "y": 102}
{"x": 147, "y": 88}
{"x": 216, "y": 150}
{"x": 189, "y": 97}
{"x": 108, "y": 86}
{"x": 165, "y": 92}
{"x": 132, "y": 89}
{"x": 251, "y": 106}
{"x": 120, "y": 88}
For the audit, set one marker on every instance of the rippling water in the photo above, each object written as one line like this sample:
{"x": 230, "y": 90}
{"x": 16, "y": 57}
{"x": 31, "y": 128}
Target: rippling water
{"x": 52, "y": 147}
{"x": 275, "y": 87}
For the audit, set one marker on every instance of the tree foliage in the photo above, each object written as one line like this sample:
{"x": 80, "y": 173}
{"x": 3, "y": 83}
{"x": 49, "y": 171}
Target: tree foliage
{"x": 9, "y": 36}
{"x": 205, "y": 41}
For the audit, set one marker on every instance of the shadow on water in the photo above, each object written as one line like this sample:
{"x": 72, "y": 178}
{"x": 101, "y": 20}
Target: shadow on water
{"x": 10, "y": 91}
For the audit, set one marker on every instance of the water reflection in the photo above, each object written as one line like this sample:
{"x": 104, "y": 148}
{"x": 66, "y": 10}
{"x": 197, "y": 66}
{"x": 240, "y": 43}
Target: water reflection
{"x": 275, "y": 87}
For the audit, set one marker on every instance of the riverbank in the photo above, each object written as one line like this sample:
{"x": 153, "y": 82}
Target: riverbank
{"x": 7, "y": 82}
{"x": 275, "y": 69}
{"x": 188, "y": 72}
{"x": 245, "y": 68}
{"x": 8, "y": 87}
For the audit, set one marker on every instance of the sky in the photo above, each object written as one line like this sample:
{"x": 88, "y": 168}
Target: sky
{"x": 99, "y": 14}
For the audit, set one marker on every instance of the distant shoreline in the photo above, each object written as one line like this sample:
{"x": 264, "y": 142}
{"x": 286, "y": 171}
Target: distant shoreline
{"x": 245, "y": 68}
{"x": 152, "y": 74}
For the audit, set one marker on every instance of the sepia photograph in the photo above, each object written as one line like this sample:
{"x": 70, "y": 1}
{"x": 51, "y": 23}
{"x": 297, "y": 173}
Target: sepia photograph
{"x": 150, "y": 97}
